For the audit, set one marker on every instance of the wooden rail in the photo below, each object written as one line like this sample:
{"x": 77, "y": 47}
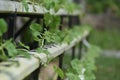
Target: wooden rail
{"x": 27, "y": 66}
{"x": 12, "y": 6}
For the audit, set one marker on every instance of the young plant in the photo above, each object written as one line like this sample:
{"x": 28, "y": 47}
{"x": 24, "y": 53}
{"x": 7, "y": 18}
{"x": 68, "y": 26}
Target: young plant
{"x": 84, "y": 69}
{"x": 7, "y": 47}
{"x": 36, "y": 30}
{"x": 25, "y": 4}
{"x": 59, "y": 72}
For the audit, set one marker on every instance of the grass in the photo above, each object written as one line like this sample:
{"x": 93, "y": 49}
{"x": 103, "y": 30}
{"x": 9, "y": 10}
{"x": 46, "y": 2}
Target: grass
{"x": 108, "y": 68}
{"x": 106, "y": 39}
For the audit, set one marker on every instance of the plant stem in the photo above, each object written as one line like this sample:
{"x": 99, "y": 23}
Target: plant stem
{"x": 2, "y": 45}
{"x": 0, "y": 40}
{"x": 42, "y": 44}
{"x": 3, "y": 53}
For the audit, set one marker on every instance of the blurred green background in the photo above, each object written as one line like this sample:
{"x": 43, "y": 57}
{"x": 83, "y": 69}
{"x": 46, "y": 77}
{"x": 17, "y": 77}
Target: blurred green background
{"x": 106, "y": 35}
{"x": 108, "y": 68}
{"x": 107, "y": 39}
{"x": 102, "y": 6}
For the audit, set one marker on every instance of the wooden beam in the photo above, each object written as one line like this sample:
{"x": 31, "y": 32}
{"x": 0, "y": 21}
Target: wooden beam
{"x": 12, "y": 6}
{"x": 27, "y": 66}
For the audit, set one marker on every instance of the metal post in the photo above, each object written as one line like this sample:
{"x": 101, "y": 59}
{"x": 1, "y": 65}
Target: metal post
{"x": 77, "y": 20}
{"x": 80, "y": 50}
{"x": 73, "y": 52}
{"x": 70, "y": 24}
{"x": 60, "y": 56}
{"x": 35, "y": 74}
{"x": 11, "y": 25}
{"x": 87, "y": 38}
{"x": 38, "y": 20}
{"x": 60, "y": 63}
{"x": 60, "y": 28}
{"x": 70, "y": 21}
{"x": 26, "y": 25}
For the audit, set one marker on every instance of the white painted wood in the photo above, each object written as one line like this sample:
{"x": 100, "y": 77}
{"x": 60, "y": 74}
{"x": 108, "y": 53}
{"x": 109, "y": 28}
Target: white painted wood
{"x": 11, "y": 6}
{"x": 27, "y": 66}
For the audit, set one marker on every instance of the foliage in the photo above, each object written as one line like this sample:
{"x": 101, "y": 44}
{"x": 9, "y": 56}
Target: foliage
{"x": 101, "y": 6}
{"x": 59, "y": 72}
{"x": 41, "y": 37}
{"x": 7, "y": 47}
{"x": 49, "y": 19}
{"x": 52, "y": 36}
{"x": 3, "y": 27}
{"x": 24, "y": 46}
{"x": 52, "y": 4}
{"x": 24, "y": 3}
{"x": 49, "y": 34}
{"x": 78, "y": 31}
{"x": 66, "y": 36}
{"x": 84, "y": 69}
{"x": 57, "y": 4}
{"x": 40, "y": 50}
{"x": 72, "y": 76}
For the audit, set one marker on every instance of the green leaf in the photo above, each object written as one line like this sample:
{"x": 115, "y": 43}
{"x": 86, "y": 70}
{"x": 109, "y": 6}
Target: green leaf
{"x": 34, "y": 8}
{"x": 52, "y": 21}
{"x": 3, "y": 57}
{"x": 59, "y": 71}
{"x": 72, "y": 6}
{"x": 23, "y": 45}
{"x": 52, "y": 37}
{"x": 48, "y": 18}
{"x": 40, "y": 50}
{"x": 23, "y": 52}
{"x": 35, "y": 29}
{"x": 77, "y": 65}
{"x": 3, "y": 27}
{"x": 25, "y": 4}
{"x": 56, "y": 22}
{"x": 72, "y": 76}
{"x": 49, "y": 37}
{"x": 11, "y": 49}
{"x": 48, "y": 4}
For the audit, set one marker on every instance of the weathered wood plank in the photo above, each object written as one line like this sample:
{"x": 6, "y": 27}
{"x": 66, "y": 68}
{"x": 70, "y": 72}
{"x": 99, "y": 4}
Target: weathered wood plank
{"x": 27, "y": 66}
{"x": 12, "y": 6}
